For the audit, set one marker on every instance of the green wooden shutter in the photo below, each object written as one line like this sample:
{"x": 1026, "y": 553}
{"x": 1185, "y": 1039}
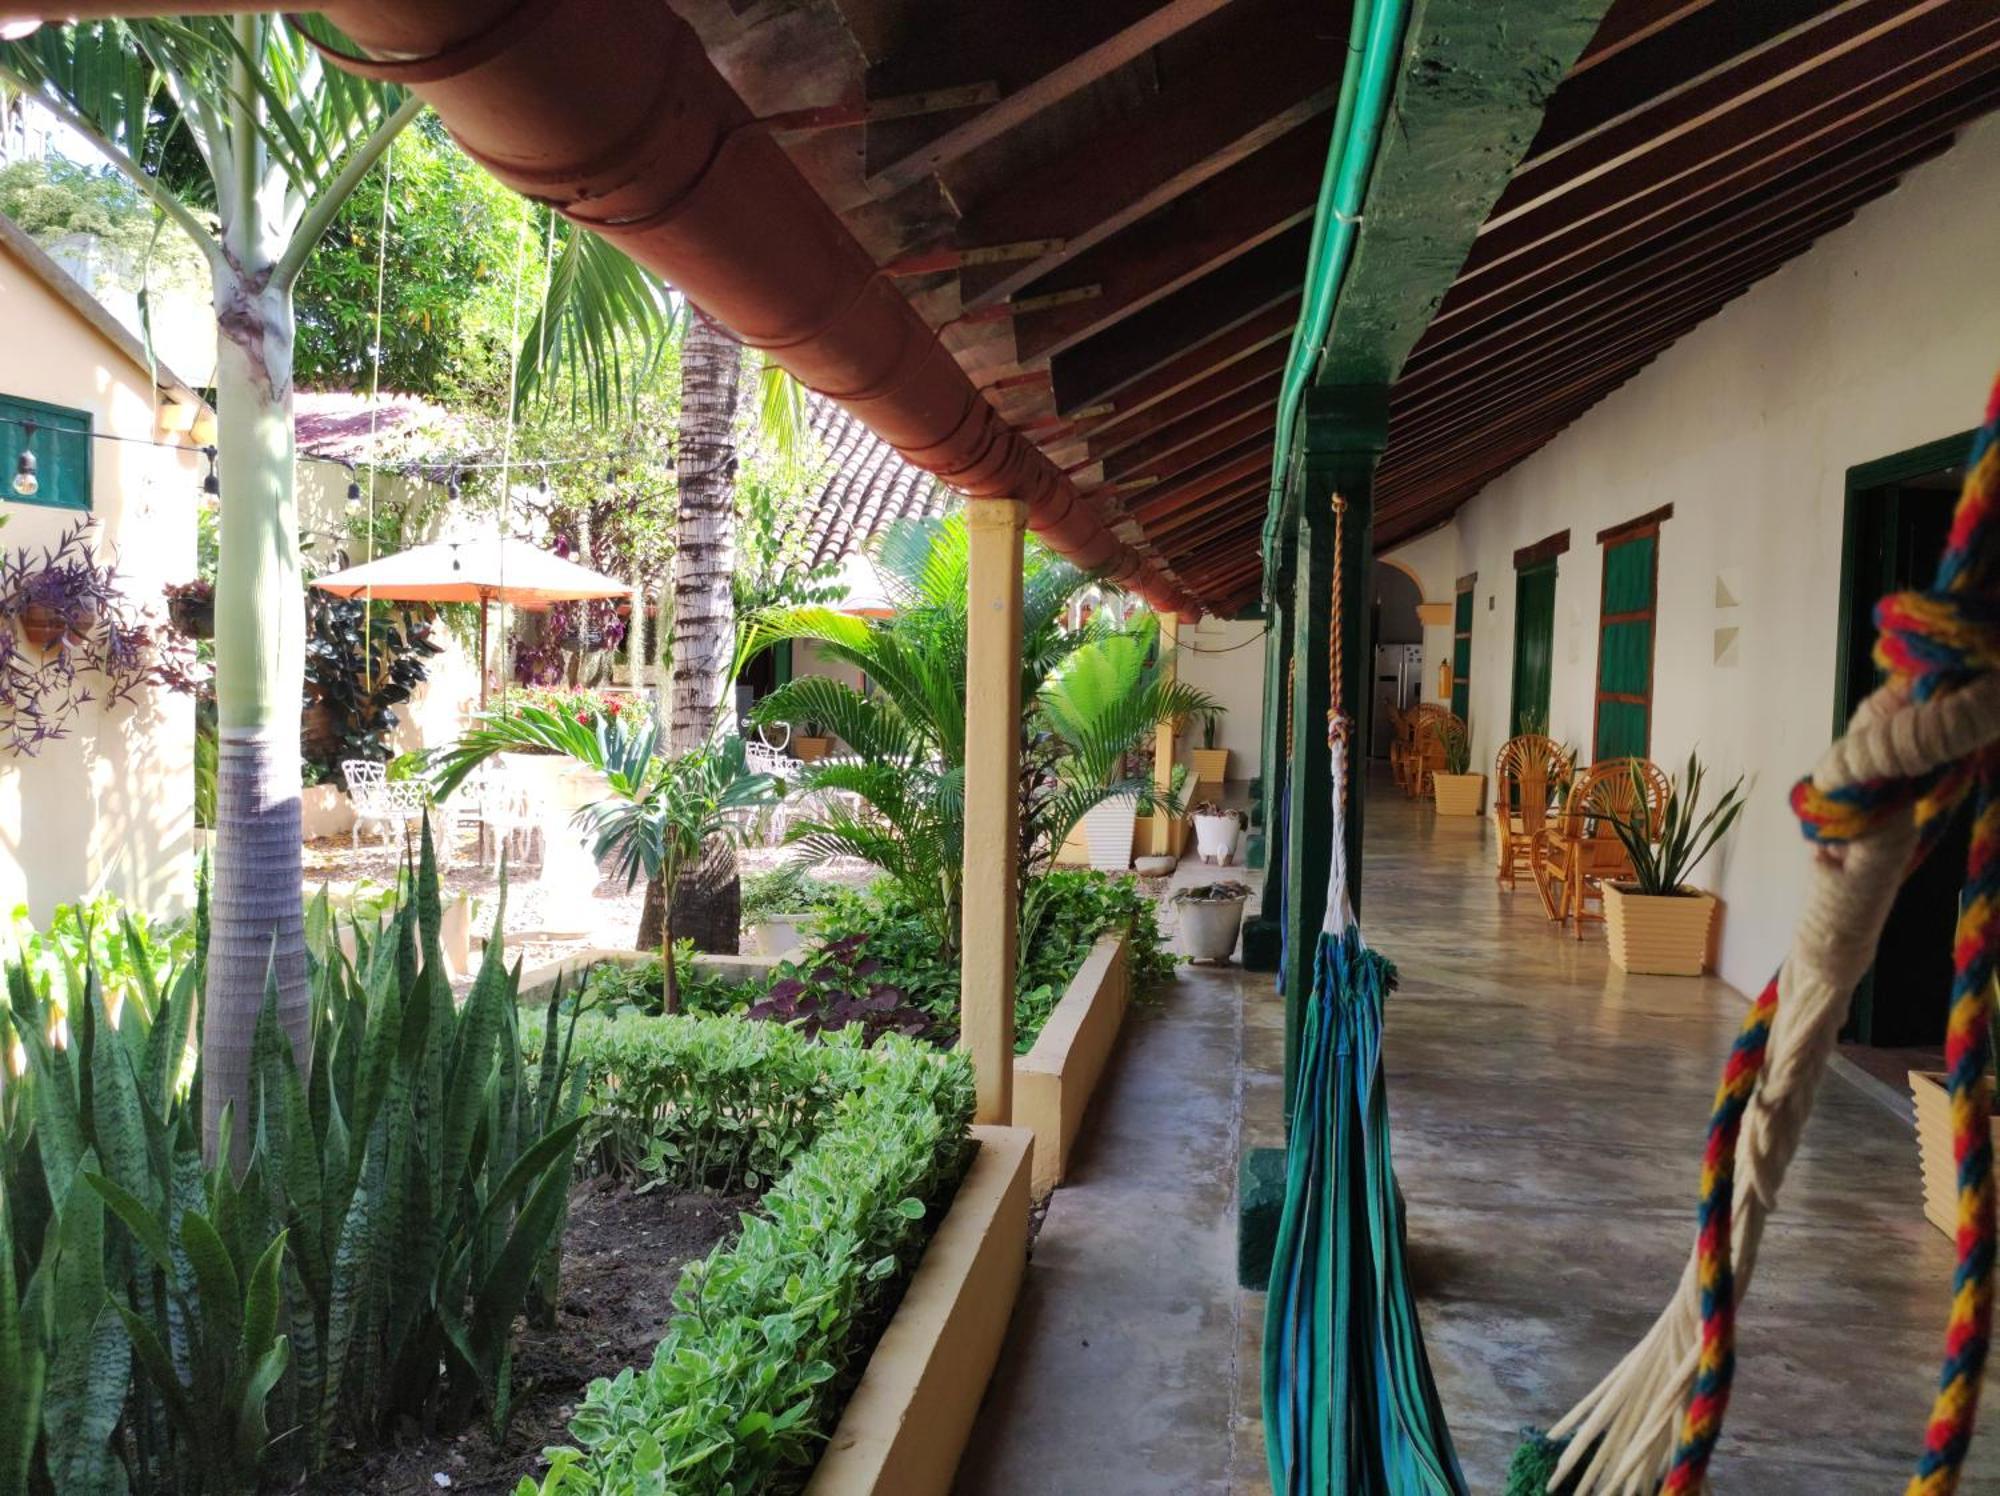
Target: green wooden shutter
{"x": 61, "y": 444}
{"x": 1625, "y": 647}
{"x": 1461, "y": 655}
{"x": 1534, "y": 645}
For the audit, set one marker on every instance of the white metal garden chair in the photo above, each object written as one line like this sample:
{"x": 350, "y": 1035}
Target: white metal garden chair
{"x": 394, "y": 809}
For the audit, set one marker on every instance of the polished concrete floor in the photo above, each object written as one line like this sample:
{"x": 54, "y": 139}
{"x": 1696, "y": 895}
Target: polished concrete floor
{"x": 1547, "y": 1115}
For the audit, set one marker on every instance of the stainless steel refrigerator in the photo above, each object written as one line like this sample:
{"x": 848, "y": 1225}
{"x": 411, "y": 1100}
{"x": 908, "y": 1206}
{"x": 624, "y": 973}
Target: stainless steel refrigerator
{"x": 1399, "y": 684}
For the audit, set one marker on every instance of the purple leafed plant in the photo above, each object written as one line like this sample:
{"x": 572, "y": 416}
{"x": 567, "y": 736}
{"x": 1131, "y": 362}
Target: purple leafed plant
{"x": 106, "y": 651}
{"x": 838, "y": 991}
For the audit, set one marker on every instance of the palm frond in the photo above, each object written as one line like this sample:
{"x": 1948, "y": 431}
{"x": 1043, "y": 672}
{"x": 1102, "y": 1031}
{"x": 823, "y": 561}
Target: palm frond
{"x": 603, "y": 326}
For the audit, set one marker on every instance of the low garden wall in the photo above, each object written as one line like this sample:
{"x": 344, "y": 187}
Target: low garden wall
{"x": 1054, "y": 1081}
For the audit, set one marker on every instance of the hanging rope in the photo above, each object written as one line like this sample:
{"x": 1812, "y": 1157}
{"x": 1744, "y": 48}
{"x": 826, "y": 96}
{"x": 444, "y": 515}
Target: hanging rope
{"x": 375, "y": 383}
{"x": 1917, "y": 750}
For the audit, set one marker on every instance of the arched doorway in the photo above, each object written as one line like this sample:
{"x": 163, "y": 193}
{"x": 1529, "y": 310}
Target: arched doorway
{"x": 1396, "y": 644}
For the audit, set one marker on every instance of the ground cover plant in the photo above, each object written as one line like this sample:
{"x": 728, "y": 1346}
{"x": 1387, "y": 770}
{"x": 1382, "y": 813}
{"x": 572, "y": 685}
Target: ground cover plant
{"x": 771, "y": 1330}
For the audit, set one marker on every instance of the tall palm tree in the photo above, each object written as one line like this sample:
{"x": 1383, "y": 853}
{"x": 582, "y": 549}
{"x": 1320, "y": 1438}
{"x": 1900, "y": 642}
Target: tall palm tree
{"x": 241, "y": 137}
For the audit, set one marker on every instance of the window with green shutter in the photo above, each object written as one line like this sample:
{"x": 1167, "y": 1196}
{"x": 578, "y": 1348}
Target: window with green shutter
{"x": 60, "y": 442}
{"x": 1461, "y": 650}
{"x": 1626, "y": 625}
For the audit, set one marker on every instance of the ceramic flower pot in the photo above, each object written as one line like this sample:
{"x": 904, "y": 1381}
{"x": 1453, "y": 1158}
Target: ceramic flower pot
{"x": 1215, "y": 837}
{"x": 1934, "y": 1149}
{"x": 1209, "y": 927}
{"x": 42, "y": 626}
{"x": 1459, "y": 794}
{"x": 810, "y": 750}
{"x": 780, "y": 934}
{"x": 1107, "y": 833}
{"x": 1658, "y": 934}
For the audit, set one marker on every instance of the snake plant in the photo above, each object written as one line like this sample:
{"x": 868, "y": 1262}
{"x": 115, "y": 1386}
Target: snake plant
{"x": 1663, "y": 864}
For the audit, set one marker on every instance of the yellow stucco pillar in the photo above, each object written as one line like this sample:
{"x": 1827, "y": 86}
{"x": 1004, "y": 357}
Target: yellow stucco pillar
{"x": 1162, "y": 842}
{"x": 992, "y": 800}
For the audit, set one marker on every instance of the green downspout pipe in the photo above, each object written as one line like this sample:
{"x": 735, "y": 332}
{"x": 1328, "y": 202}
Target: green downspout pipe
{"x": 1374, "y": 39}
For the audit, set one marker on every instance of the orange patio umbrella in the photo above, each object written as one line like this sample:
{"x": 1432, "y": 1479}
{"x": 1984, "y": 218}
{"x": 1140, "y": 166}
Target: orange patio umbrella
{"x": 486, "y": 569}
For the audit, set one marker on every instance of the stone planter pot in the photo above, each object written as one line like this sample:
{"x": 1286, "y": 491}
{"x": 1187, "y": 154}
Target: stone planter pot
{"x": 1934, "y": 1152}
{"x": 1658, "y": 934}
{"x": 781, "y": 934}
{"x": 1211, "y": 765}
{"x": 1209, "y": 927}
{"x": 811, "y": 750}
{"x": 1107, "y": 833}
{"x": 1215, "y": 837}
{"x": 1459, "y": 794}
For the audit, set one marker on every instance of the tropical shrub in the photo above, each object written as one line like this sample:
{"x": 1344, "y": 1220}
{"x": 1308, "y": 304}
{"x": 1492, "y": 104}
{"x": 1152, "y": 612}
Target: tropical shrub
{"x": 363, "y": 661}
{"x": 785, "y": 890}
{"x": 770, "y": 1331}
{"x": 578, "y": 703}
{"x": 636, "y": 985}
{"x": 131, "y": 955}
{"x": 841, "y": 987}
{"x": 361, "y": 1268}
{"x": 1662, "y": 865}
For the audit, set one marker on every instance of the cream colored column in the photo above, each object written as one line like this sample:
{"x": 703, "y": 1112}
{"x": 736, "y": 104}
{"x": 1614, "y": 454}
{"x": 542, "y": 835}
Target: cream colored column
{"x": 1162, "y": 843}
{"x": 992, "y": 800}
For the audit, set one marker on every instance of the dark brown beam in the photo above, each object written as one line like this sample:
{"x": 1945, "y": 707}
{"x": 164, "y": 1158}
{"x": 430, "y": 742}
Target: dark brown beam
{"x": 1804, "y": 192}
{"x": 1253, "y": 425}
{"x": 1207, "y": 364}
{"x": 1758, "y": 139}
{"x": 1098, "y": 368}
{"x": 1218, "y": 473}
{"x": 1576, "y": 259}
{"x": 1249, "y": 75}
{"x": 1115, "y": 433}
{"x": 1068, "y": 48}
{"x": 1631, "y": 22}
{"x": 1216, "y": 515}
{"x": 1248, "y": 205}
{"x": 1201, "y": 433}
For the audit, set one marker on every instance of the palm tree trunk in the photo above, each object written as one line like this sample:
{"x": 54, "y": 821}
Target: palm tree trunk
{"x": 257, "y": 926}
{"x": 706, "y": 896}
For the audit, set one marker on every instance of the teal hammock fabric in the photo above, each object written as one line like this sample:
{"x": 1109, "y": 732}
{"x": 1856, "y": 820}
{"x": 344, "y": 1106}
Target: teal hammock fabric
{"x": 1350, "y": 1408}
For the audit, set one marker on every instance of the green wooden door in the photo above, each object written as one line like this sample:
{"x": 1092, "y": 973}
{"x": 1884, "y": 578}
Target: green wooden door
{"x": 1461, "y": 655}
{"x": 1534, "y": 645}
{"x": 1625, "y": 648}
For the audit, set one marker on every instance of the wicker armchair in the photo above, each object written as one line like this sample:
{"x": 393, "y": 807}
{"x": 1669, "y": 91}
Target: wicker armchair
{"x": 1580, "y": 848}
{"x": 1426, "y": 750}
{"x": 1527, "y": 771}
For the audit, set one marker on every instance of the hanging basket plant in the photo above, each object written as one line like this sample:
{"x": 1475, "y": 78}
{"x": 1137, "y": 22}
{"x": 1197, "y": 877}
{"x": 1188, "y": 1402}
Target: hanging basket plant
{"x": 191, "y": 608}
{"x": 69, "y": 637}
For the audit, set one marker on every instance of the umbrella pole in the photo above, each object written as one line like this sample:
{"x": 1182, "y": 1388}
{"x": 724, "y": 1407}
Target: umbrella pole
{"x": 482, "y": 651}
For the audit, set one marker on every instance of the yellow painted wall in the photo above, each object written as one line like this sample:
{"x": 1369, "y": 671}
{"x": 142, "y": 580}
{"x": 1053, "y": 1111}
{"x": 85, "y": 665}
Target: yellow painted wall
{"x": 112, "y": 807}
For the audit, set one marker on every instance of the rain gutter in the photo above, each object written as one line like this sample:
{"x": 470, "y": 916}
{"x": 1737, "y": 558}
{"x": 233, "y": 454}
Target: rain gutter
{"x": 1374, "y": 43}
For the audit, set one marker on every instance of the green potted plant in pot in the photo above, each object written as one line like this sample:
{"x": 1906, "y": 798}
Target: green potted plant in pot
{"x": 1216, "y": 831}
{"x": 1211, "y": 764}
{"x": 1211, "y": 917}
{"x": 780, "y": 906}
{"x": 1457, "y": 790}
{"x": 1655, "y": 922}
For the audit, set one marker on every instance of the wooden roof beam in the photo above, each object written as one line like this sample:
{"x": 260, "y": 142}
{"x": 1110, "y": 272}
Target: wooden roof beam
{"x": 1265, "y": 68}
{"x": 1256, "y": 418}
{"x": 1098, "y": 368}
{"x": 1250, "y": 204}
{"x": 1105, "y": 35}
{"x": 1171, "y": 436}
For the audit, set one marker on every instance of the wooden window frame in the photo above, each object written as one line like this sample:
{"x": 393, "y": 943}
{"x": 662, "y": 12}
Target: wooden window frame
{"x": 13, "y": 439}
{"x": 1644, "y": 526}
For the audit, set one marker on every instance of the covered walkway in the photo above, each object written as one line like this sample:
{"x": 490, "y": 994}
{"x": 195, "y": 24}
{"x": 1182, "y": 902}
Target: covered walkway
{"x": 1547, "y": 1115}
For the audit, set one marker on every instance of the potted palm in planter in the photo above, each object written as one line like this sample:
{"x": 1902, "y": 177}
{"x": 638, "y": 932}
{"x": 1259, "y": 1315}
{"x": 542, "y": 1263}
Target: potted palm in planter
{"x": 1457, "y": 790}
{"x": 1211, "y": 916}
{"x": 1211, "y": 764}
{"x": 779, "y": 908}
{"x": 1655, "y": 922}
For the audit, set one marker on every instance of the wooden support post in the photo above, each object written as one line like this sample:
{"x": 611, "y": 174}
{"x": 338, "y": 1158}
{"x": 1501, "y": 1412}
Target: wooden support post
{"x": 1162, "y": 843}
{"x": 992, "y": 801}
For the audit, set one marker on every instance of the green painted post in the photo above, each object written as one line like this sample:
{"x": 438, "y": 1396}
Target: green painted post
{"x": 1261, "y": 934}
{"x": 1309, "y": 826}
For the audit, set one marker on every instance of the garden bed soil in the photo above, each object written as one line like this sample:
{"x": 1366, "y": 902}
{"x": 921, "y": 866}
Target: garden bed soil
{"x": 622, "y": 1257}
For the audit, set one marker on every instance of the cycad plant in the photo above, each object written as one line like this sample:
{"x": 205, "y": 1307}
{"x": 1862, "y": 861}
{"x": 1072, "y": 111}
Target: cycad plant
{"x": 660, "y": 811}
{"x": 1687, "y": 835}
{"x": 1089, "y": 694}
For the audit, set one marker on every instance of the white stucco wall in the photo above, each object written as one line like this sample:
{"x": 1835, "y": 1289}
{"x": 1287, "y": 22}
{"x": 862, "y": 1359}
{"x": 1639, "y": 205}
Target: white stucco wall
{"x": 1433, "y": 560}
{"x": 1225, "y": 657}
{"x": 1885, "y": 336}
{"x": 111, "y": 807}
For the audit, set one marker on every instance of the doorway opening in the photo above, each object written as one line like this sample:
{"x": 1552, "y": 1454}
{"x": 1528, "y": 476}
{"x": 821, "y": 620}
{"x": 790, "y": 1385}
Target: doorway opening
{"x": 1898, "y": 514}
{"x": 1396, "y": 636}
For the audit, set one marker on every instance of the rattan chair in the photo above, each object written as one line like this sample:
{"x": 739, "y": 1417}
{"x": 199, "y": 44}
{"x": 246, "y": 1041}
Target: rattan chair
{"x": 1402, "y": 736}
{"x": 1528, "y": 771}
{"x": 1580, "y": 848}
{"x": 1427, "y": 755}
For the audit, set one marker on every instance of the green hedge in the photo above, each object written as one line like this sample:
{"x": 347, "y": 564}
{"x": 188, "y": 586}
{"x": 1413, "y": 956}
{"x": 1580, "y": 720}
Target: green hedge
{"x": 771, "y": 1330}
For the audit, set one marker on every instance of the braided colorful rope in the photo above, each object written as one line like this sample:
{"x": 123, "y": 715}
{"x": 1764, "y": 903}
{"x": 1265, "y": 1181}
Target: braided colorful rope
{"x": 1930, "y": 642}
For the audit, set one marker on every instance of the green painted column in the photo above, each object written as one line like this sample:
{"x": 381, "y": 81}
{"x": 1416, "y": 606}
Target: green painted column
{"x": 1308, "y": 821}
{"x": 1343, "y": 434}
{"x": 1261, "y": 934}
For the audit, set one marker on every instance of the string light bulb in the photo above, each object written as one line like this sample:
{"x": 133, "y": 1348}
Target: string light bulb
{"x": 353, "y": 488}
{"x": 542, "y": 487}
{"x": 27, "y": 483}
{"x": 211, "y": 485}
{"x": 451, "y": 492}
